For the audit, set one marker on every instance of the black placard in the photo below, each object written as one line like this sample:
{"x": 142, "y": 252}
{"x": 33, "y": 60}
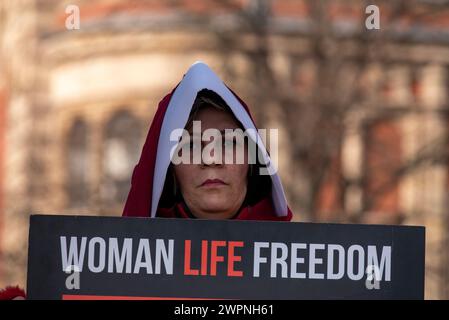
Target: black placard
{"x": 80, "y": 257}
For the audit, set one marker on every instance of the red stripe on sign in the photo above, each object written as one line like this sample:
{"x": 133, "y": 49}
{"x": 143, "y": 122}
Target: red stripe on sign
{"x": 94, "y": 297}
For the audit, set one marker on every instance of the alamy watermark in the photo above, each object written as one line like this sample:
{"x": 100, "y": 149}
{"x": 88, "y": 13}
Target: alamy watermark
{"x": 372, "y": 22}
{"x": 73, "y": 20}
{"x": 73, "y": 282}
{"x": 373, "y": 277}
{"x": 229, "y": 146}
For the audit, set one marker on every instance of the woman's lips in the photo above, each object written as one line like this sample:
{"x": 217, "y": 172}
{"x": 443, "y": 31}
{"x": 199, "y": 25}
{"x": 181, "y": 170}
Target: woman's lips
{"x": 212, "y": 183}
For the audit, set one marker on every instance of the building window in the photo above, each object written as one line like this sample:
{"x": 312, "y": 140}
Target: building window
{"x": 77, "y": 165}
{"x": 121, "y": 152}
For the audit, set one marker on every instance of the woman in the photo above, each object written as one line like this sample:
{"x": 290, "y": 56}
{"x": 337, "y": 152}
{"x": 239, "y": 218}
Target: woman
{"x": 207, "y": 189}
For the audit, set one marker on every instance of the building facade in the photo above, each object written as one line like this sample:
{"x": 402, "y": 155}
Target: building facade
{"x": 75, "y": 107}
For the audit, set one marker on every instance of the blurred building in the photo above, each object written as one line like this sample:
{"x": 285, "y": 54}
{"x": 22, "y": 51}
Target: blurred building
{"x": 75, "y": 106}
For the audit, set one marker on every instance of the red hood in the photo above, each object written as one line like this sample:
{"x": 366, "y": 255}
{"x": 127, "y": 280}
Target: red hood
{"x": 139, "y": 201}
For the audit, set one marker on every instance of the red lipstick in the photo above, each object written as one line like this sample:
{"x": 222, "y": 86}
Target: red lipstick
{"x": 212, "y": 182}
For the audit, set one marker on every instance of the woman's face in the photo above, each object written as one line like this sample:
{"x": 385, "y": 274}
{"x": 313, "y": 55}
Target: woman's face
{"x": 216, "y": 190}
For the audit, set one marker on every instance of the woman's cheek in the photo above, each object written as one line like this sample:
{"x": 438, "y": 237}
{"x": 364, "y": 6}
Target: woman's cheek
{"x": 186, "y": 175}
{"x": 238, "y": 176}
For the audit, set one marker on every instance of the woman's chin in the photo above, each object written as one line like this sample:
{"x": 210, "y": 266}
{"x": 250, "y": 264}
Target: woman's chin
{"x": 214, "y": 188}
{"x": 215, "y": 208}
{"x": 215, "y": 196}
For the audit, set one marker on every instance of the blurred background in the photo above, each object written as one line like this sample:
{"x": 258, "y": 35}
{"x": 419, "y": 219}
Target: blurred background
{"x": 362, "y": 114}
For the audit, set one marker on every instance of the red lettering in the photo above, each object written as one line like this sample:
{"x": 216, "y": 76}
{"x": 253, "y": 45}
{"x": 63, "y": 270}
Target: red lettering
{"x": 214, "y": 257}
{"x": 233, "y": 258}
{"x": 204, "y": 247}
{"x": 187, "y": 270}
